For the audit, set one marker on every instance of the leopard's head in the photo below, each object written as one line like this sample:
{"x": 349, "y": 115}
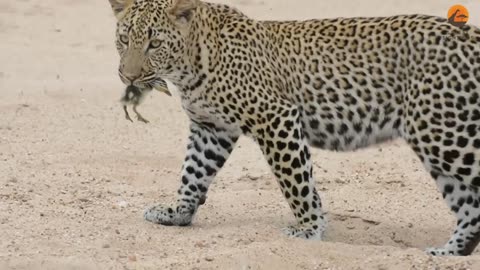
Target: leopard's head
{"x": 151, "y": 39}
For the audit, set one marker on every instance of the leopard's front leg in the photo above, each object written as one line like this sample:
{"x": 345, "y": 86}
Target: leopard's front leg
{"x": 284, "y": 145}
{"x": 207, "y": 151}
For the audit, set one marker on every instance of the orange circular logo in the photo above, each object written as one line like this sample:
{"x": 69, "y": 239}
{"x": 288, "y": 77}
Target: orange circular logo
{"x": 458, "y": 15}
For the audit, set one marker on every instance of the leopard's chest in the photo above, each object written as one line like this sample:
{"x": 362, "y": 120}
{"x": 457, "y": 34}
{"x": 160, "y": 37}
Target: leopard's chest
{"x": 201, "y": 111}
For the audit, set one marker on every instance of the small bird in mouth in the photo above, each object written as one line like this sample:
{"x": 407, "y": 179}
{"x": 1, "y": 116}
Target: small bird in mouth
{"x": 134, "y": 96}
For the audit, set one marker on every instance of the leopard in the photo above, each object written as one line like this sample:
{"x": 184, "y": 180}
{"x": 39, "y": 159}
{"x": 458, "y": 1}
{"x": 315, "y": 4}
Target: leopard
{"x": 336, "y": 84}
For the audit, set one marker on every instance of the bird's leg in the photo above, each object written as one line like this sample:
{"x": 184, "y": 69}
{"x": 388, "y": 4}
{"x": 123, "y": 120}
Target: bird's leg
{"x": 127, "y": 116}
{"x": 139, "y": 116}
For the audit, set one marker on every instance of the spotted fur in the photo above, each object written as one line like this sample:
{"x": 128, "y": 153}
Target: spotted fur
{"x": 335, "y": 84}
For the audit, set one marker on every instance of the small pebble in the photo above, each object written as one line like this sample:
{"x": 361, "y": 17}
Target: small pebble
{"x": 201, "y": 244}
{"x": 106, "y": 246}
{"x": 209, "y": 259}
{"x": 132, "y": 258}
{"x": 122, "y": 204}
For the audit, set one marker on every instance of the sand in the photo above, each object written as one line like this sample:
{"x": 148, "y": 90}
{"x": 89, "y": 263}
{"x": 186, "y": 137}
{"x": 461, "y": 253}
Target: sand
{"x": 76, "y": 176}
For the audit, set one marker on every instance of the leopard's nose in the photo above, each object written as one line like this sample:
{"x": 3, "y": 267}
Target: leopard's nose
{"x": 131, "y": 77}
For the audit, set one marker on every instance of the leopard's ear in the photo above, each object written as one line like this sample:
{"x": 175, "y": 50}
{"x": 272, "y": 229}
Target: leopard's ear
{"x": 119, "y": 7}
{"x": 182, "y": 10}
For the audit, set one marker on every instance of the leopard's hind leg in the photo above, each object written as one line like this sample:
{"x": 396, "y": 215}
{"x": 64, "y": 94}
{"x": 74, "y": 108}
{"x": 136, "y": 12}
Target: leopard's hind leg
{"x": 464, "y": 201}
{"x": 444, "y": 133}
{"x": 453, "y": 169}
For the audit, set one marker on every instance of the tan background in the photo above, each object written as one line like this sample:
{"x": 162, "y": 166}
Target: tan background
{"x": 75, "y": 176}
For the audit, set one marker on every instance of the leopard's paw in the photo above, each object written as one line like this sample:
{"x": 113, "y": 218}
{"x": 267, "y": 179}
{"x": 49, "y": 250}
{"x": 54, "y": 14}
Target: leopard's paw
{"x": 168, "y": 216}
{"x": 313, "y": 231}
{"x": 441, "y": 252}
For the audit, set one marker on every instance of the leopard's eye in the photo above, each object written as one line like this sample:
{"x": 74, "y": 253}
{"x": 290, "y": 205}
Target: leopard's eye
{"x": 124, "y": 39}
{"x": 154, "y": 44}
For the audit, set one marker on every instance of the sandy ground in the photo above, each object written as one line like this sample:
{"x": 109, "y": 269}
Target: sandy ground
{"x": 75, "y": 176}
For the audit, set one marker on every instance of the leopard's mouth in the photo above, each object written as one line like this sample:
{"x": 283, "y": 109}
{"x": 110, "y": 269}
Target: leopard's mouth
{"x": 148, "y": 81}
{"x": 156, "y": 83}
